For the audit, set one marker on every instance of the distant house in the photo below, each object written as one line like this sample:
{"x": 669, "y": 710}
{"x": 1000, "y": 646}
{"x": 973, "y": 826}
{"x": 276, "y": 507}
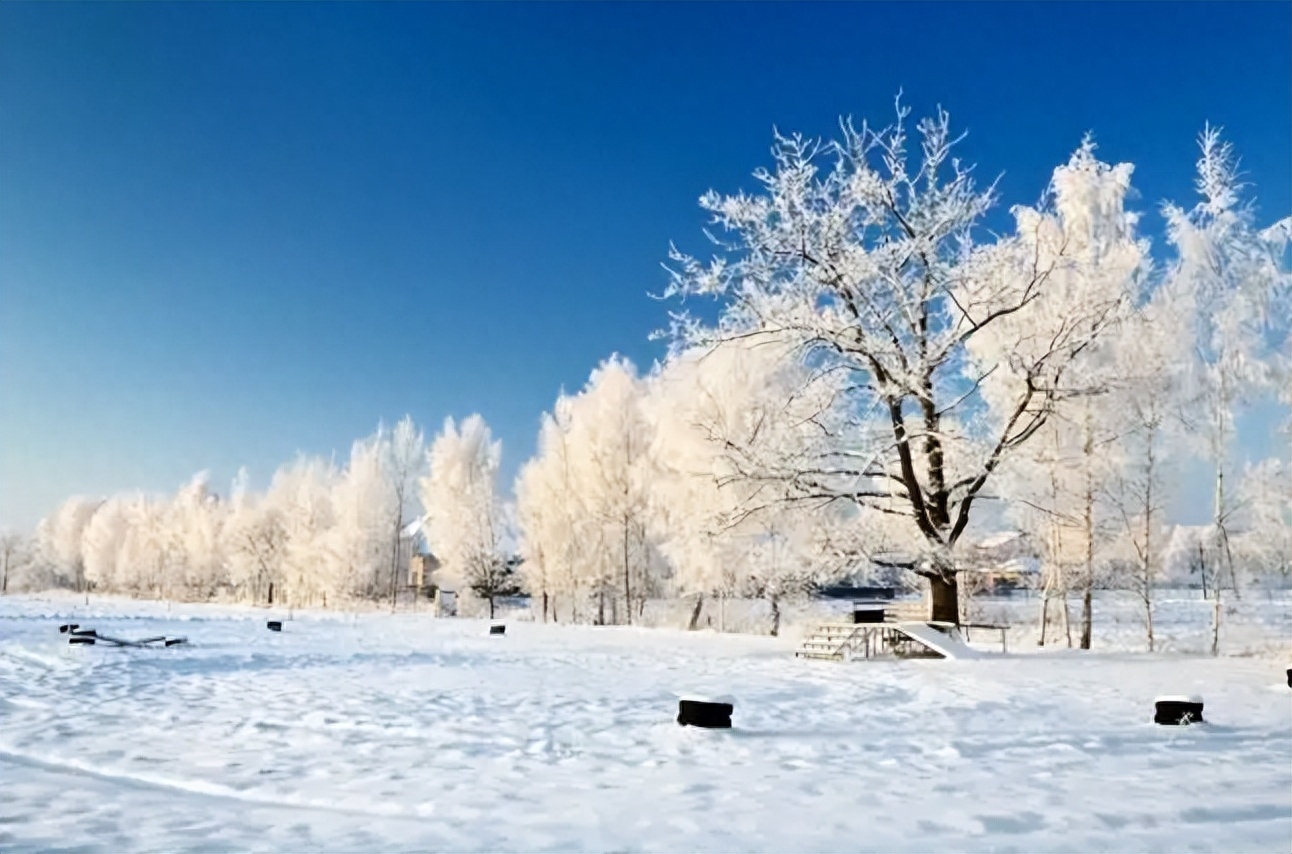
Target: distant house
{"x": 1005, "y": 560}
{"x": 414, "y": 554}
{"x": 420, "y": 567}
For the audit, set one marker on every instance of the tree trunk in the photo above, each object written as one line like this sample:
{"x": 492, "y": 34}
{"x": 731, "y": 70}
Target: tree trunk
{"x": 1202, "y": 569}
{"x": 271, "y": 593}
{"x": 1067, "y": 615}
{"x": 1086, "y": 607}
{"x": 695, "y": 613}
{"x": 394, "y": 562}
{"x": 491, "y": 607}
{"x": 628, "y": 591}
{"x": 1148, "y": 540}
{"x": 544, "y": 606}
{"x": 1148, "y": 613}
{"x": 1045, "y": 616}
{"x": 1215, "y": 622}
{"x": 776, "y": 617}
{"x": 1089, "y": 518}
{"x": 944, "y": 593}
{"x": 1229, "y": 562}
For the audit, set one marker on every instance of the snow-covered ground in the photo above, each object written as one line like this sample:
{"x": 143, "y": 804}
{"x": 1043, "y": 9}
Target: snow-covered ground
{"x": 372, "y": 732}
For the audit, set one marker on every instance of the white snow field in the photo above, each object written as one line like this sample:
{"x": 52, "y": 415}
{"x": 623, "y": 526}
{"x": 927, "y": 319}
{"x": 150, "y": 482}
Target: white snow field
{"x": 379, "y": 733}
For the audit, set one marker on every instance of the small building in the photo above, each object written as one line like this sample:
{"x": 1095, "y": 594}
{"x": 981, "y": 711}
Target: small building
{"x": 420, "y": 567}
{"x": 1003, "y": 561}
{"x": 414, "y": 554}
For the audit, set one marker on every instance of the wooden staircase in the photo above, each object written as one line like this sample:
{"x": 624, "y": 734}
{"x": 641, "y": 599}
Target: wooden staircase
{"x": 903, "y": 633}
{"x": 839, "y": 641}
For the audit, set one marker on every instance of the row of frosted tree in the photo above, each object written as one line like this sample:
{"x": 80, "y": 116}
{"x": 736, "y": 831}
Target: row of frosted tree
{"x": 878, "y": 380}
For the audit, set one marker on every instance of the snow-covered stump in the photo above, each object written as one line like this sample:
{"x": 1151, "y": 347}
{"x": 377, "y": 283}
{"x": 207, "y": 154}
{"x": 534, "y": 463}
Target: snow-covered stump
{"x": 1178, "y": 710}
{"x": 705, "y": 713}
{"x": 274, "y": 625}
{"x": 497, "y": 630}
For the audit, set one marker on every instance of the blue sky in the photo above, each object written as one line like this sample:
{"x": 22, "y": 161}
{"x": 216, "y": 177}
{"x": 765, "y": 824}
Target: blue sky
{"x": 231, "y": 232}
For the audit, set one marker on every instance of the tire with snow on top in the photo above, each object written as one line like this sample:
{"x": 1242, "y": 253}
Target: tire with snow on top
{"x": 1290, "y": 677}
{"x": 704, "y": 713}
{"x": 1178, "y": 710}
{"x": 81, "y": 640}
{"x": 274, "y": 626}
{"x": 497, "y": 630}
{"x": 68, "y": 627}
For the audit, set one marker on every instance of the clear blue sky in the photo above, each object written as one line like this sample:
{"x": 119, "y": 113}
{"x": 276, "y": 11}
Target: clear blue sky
{"x": 229, "y": 232}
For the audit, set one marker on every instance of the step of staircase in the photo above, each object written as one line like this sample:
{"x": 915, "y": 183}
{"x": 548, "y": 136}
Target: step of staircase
{"x": 824, "y": 656}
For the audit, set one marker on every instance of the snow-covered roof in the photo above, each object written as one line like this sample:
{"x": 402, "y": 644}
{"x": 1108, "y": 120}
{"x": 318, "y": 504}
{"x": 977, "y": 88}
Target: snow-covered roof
{"x": 1000, "y": 539}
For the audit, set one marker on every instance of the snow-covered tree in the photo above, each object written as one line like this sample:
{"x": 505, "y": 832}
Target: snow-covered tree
{"x": 301, "y": 494}
{"x": 101, "y": 544}
{"x": 554, "y": 527}
{"x": 1264, "y": 541}
{"x": 255, "y": 541}
{"x": 1234, "y": 273}
{"x": 195, "y": 520}
{"x": 583, "y": 502}
{"x": 610, "y": 438}
{"x": 58, "y": 540}
{"x": 727, "y": 424}
{"x": 365, "y": 506}
{"x": 404, "y": 465}
{"x": 14, "y": 556}
{"x": 463, "y": 513}
{"x": 149, "y": 550}
{"x": 861, "y": 260}
{"x": 1151, "y": 394}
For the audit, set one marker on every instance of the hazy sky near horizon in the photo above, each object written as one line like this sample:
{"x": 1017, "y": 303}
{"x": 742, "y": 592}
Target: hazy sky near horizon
{"x": 234, "y": 232}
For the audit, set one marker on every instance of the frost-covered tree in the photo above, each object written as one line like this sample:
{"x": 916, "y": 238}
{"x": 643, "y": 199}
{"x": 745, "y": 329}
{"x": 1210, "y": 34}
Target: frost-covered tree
{"x": 1234, "y": 273}
{"x": 463, "y": 513}
{"x": 727, "y": 422}
{"x": 149, "y": 550}
{"x": 404, "y": 465}
{"x": 1149, "y": 399}
{"x": 610, "y": 437}
{"x": 583, "y": 502}
{"x": 1264, "y": 541}
{"x": 195, "y": 520}
{"x": 255, "y": 541}
{"x": 101, "y": 544}
{"x": 861, "y": 259}
{"x": 301, "y": 493}
{"x": 58, "y": 541}
{"x": 366, "y": 503}
{"x": 553, "y": 524}
{"x": 14, "y": 555}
